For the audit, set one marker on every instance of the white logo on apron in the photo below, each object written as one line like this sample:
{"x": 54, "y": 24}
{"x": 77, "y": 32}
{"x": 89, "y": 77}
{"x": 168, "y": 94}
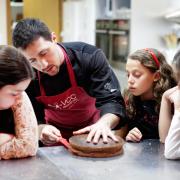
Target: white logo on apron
{"x": 66, "y": 104}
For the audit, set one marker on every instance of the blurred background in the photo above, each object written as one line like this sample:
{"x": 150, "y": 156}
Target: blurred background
{"x": 119, "y": 27}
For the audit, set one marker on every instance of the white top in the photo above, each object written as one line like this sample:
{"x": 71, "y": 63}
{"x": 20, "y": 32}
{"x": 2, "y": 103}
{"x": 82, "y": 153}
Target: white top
{"x": 172, "y": 142}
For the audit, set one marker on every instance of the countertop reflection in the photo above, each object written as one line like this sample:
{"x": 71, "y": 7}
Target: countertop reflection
{"x": 142, "y": 160}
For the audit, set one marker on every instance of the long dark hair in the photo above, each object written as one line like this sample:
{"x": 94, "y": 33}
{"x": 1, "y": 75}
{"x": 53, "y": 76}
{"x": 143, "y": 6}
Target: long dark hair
{"x": 14, "y": 67}
{"x": 166, "y": 81}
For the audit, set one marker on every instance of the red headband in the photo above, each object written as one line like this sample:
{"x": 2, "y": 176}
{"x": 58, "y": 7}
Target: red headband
{"x": 153, "y": 56}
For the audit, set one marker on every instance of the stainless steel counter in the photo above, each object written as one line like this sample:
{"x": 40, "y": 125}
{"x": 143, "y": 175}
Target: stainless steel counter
{"x": 142, "y": 161}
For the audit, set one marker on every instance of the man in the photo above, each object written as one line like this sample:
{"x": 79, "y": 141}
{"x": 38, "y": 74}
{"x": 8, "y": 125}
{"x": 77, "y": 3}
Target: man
{"x": 76, "y": 91}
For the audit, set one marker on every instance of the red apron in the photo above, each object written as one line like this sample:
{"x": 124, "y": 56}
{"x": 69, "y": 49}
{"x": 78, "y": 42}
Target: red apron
{"x": 70, "y": 110}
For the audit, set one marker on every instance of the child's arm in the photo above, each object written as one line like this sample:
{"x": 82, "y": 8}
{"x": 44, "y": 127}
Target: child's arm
{"x": 165, "y": 114}
{"x": 25, "y": 141}
{"x": 172, "y": 143}
{"x": 4, "y": 138}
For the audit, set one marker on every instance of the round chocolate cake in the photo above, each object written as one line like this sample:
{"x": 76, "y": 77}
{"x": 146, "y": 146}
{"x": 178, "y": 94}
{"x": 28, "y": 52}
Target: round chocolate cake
{"x": 80, "y": 147}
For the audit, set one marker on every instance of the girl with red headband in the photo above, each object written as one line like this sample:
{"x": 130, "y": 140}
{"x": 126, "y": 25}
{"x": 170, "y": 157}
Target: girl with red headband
{"x": 149, "y": 75}
{"x": 169, "y": 124}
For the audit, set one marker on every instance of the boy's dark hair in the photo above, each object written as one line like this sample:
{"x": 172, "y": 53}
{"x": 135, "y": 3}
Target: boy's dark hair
{"x": 28, "y": 30}
{"x": 14, "y": 67}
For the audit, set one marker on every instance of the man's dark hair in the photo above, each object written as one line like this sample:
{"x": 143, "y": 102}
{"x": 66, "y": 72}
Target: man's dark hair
{"x": 28, "y": 30}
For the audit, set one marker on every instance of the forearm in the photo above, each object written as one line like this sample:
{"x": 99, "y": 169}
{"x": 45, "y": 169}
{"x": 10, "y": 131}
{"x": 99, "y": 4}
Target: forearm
{"x": 117, "y": 108}
{"x": 172, "y": 142}
{"x": 164, "y": 119}
{"x": 25, "y": 141}
{"x": 18, "y": 148}
{"x": 22, "y": 145}
{"x": 4, "y": 138}
{"x": 110, "y": 119}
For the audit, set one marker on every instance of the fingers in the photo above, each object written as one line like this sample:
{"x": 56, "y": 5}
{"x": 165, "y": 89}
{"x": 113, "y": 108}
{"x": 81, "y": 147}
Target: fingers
{"x": 113, "y": 137}
{"x": 82, "y": 131}
{"x": 56, "y": 132}
{"x": 96, "y": 131}
{"x": 132, "y": 138}
{"x": 105, "y": 134}
{"x": 134, "y": 135}
{"x": 50, "y": 135}
{"x": 91, "y": 134}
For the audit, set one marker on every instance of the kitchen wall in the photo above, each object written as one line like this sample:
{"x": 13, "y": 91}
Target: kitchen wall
{"x": 79, "y": 21}
{"x": 3, "y": 23}
{"x": 148, "y": 24}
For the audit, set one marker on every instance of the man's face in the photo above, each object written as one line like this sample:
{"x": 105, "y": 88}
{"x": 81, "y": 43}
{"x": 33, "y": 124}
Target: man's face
{"x": 45, "y": 56}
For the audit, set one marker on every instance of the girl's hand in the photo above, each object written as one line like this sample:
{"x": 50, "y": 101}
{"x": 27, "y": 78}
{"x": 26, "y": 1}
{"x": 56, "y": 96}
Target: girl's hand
{"x": 134, "y": 135}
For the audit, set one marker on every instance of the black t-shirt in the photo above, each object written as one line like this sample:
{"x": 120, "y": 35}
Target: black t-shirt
{"x": 92, "y": 72}
{"x": 7, "y": 121}
{"x": 146, "y": 119}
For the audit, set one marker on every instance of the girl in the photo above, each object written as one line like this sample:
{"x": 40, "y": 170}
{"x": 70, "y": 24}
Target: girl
{"x": 149, "y": 76}
{"x": 169, "y": 130}
{"x": 18, "y": 125}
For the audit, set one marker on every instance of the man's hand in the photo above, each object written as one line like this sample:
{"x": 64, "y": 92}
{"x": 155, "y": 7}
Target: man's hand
{"x": 100, "y": 128}
{"x": 4, "y": 138}
{"x": 50, "y": 135}
{"x": 134, "y": 135}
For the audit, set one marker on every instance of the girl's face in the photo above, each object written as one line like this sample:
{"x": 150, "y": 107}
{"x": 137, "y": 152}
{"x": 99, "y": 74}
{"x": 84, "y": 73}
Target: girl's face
{"x": 10, "y": 93}
{"x": 140, "y": 79}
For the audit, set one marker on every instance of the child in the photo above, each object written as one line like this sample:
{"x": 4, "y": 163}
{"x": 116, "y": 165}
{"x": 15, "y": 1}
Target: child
{"x": 169, "y": 130}
{"x": 18, "y": 124}
{"x": 149, "y": 76}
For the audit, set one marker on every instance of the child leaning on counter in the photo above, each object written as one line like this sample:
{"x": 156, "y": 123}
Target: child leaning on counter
{"x": 169, "y": 126}
{"x": 149, "y": 75}
{"x": 18, "y": 124}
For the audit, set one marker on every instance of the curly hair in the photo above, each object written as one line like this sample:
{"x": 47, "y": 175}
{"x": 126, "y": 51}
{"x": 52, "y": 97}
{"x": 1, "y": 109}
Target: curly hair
{"x": 28, "y": 30}
{"x": 166, "y": 81}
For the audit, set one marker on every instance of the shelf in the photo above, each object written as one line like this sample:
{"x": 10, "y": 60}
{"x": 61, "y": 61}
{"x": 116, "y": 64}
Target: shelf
{"x": 173, "y": 16}
{"x": 16, "y": 4}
